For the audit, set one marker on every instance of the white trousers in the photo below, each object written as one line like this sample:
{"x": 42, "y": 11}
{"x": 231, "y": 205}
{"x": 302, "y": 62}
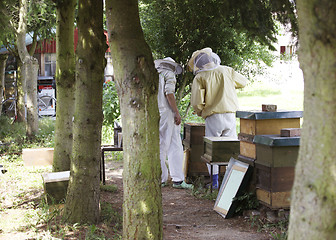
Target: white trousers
{"x": 220, "y": 125}
{"x": 170, "y": 147}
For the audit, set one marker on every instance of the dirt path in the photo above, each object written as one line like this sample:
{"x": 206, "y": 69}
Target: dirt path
{"x": 186, "y": 217}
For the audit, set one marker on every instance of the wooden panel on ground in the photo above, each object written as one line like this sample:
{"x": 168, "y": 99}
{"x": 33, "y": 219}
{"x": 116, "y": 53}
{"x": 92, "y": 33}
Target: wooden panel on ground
{"x": 279, "y": 179}
{"x": 55, "y": 186}
{"x": 38, "y": 156}
{"x": 274, "y": 200}
{"x": 232, "y": 186}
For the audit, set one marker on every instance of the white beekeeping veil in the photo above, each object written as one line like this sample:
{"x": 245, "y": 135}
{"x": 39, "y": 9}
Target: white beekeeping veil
{"x": 168, "y": 64}
{"x": 203, "y": 60}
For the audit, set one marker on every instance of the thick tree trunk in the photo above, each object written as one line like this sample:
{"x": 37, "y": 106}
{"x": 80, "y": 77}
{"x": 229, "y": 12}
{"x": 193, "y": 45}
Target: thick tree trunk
{"x": 3, "y": 59}
{"x": 137, "y": 84}
{"x": 29, "y": 72}
{"x": 313, "y": 207}
{"x": 82, "y": 203}
{"x": 65, "y": 81}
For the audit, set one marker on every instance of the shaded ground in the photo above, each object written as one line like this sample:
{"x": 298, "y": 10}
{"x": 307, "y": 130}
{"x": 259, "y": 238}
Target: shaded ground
{"x": 185, "y": 216}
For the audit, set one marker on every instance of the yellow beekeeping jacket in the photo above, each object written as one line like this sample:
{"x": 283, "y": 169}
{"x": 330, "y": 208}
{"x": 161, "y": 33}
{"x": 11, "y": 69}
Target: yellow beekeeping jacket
{"x": 214, "y": 91}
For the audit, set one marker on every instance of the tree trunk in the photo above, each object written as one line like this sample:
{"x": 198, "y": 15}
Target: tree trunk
{"x": 313, "y": 206}
{"x": 29, "y": 72}
{"x": 82, "y": 203}
{"x": 137, "y": 85}
{"x": 65, "y": 81}
{"x": 21, "y": 95}
{"x": 3, "y": 59}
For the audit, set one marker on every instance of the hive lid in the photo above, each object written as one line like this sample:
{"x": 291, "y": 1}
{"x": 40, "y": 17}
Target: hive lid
{"x": 259, "y": 115}
{"x": 276, "y": 140}
{"x": 220, "y": 139}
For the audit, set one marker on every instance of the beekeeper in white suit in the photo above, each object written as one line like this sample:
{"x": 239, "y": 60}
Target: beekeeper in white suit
{"x": 213, "y": 96}
{"x": 170, "y": 120}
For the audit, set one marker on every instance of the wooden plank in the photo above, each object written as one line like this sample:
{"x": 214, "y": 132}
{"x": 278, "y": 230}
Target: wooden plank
{"x": 274, "y": 200}
{"x": 38, "y": 156}
{"x": 248, "y": 149}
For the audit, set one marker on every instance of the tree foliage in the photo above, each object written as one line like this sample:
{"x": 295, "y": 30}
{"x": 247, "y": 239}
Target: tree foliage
{"x": 241, "y": 32}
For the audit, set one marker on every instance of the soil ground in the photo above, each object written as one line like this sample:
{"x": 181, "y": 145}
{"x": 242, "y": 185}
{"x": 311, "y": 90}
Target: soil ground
{"x": 186, "y": 217}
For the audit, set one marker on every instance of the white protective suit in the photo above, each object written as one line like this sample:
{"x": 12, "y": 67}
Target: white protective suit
{"x": 170, "y": 138}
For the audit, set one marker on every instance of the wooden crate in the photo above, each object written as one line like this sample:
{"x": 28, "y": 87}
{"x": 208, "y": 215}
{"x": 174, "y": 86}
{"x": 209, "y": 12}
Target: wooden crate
{"x": 221, "y": 149}
{"x": 193, "y": 134}
{"x": 55, "y": 186}
{"x": 274, "y": 200}
{"x": 276, "y": 151}
{"x": 38, "y": 156}
{"x": 264, "y": 123}
{"x": 278, "y": 179}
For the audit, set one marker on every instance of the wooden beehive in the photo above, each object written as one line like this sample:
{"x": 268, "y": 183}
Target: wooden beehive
{"x": 193, "y": 134}
{"x": 263, "y": 123}
{"x": 55, "y": 186}
{"x": 221, "y": 149}
{"x": 275, "y": 164}
{"x": 193, "y": 144}
{"x": 277, "y": 151}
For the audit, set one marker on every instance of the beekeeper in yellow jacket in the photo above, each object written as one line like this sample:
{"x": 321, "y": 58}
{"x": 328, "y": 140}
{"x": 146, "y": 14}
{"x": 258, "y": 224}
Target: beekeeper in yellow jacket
{"x": 214, "y": 97}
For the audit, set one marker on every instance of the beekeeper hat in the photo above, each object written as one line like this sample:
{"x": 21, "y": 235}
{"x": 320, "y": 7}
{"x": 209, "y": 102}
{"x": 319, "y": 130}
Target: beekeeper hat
{"x": 203, "y": 60}
{"x": 168, "y": 64}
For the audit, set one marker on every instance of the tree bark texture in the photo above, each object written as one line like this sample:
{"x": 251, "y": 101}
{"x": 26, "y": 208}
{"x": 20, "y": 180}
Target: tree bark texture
{"x": 313, "y": 205}
{"x": 3, "y": 59}
{"x": 21, "y": 94}
{"x": 29, "y": 70}
{"x": 65, "y": 82}
{"x": 137, "y": 85}
{"x": 82, "y": 203}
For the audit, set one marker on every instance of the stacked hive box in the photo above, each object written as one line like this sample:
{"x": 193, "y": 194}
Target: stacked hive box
{"x": 220, "y": 150}
{"x": 254, "y": 123}
{"x": 193, "y": 145}
{"x": 276, "y": 159}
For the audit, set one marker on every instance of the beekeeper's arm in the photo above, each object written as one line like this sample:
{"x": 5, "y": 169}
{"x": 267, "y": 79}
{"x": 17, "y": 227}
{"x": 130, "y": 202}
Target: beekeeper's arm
{"x": 197, "y": 96}
{"x": 239, "y": 80}
{"x": 170, "y": 83}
